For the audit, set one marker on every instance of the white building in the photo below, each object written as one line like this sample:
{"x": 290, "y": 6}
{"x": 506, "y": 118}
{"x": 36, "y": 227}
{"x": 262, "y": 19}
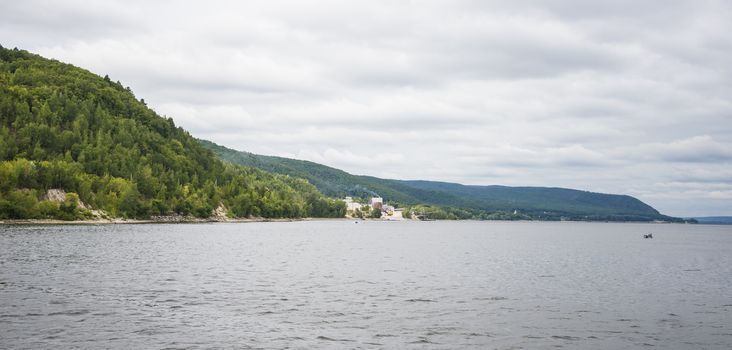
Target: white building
{"x": 351, "y": 205}
{"x": 376, "y": 202}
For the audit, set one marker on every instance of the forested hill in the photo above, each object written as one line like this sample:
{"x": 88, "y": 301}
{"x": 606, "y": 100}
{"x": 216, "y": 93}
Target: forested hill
{"x": 455, "y": 200}
{"x": 62, "y": 127}
{"x": 714, "y": 220}
{"x": 330, "y": 181}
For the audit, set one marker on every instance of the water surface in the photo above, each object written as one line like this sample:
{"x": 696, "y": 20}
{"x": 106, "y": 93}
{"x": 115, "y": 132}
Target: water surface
{"x": 337, "y": 284}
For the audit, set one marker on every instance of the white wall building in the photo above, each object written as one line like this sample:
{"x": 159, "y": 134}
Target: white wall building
{"x": 376, "y": 202}
{"x": 351, "y": 205}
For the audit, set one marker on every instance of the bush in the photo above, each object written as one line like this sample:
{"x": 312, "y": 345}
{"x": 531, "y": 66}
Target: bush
{"x": 19, "y": 204}
{"x": 48, "y": 209}
{"x": 376, "y": 213}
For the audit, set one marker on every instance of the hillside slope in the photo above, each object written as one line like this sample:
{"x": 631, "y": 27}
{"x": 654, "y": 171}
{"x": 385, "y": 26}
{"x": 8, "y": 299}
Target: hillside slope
{"x": 331, "y": 181}
{"x": 562, "y": 201}
{"x": 534, "y": 202}
{"x": 714, "y": 220}
{"x": 62, "y": 127}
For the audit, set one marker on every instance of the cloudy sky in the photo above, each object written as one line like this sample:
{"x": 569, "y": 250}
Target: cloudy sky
{"x": 619, "y": 96}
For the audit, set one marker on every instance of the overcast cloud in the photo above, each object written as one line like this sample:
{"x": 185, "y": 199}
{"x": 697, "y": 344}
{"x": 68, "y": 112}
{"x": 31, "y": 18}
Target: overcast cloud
{"x": 630, "y": 97}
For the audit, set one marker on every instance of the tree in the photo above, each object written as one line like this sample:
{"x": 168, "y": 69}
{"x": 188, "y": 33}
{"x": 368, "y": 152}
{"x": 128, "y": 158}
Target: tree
{"x": 376, "y": 213}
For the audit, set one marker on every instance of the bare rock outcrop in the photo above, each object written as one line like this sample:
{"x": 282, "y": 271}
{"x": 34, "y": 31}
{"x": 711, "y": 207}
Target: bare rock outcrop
{"x": 219, "y": 214}
{"x": 59, "y": 195}
{"x": 54, "y": 195}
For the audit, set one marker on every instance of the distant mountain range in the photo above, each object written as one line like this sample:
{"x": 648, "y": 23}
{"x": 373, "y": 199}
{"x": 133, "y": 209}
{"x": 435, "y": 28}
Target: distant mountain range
{"x": 534, "y": 202}
{"x": 716, "y": 220}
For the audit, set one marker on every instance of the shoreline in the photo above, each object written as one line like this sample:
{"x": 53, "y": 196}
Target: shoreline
{"x": 178, "y": 220}
{"x": 172, "y": 220}
{"x": 148, "y": 221}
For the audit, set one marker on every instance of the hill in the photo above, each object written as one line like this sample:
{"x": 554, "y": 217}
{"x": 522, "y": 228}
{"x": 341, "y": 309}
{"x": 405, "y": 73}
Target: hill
{"x": 714, "y": 220}
{"x": 455, "y": 200}
{"x": 62, "y": 127}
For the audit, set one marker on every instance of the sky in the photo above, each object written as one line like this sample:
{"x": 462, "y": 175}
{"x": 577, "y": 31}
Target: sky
{"x": 630, "y": 97}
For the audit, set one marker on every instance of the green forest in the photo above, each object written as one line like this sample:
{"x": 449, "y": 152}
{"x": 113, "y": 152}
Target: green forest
{"x": 62, "y": 127}
{"x": 442, "y": 200}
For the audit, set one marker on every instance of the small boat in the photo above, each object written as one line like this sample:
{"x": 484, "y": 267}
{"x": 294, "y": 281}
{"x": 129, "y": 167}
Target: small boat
{"x": 650, "y": 235}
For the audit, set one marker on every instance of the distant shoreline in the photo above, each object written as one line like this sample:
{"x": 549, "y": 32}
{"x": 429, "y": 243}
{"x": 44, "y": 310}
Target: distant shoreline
{"x": 119, "y": 221}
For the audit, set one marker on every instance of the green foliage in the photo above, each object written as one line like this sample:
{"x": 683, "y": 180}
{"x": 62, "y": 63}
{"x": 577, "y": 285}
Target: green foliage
{"x": 475, "y": 202}
{"x": 64, "y": 127}
{"x": 24, "y": 204}
{"x": 48, "y": 210}
{"x": 375, "y": 213}
{"x": 430, "y": 212}
{"x": 70, "y": 208}
{"x": 19, "y": 204}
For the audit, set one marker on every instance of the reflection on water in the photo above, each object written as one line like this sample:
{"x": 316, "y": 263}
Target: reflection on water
{"x": 334, "y": 284}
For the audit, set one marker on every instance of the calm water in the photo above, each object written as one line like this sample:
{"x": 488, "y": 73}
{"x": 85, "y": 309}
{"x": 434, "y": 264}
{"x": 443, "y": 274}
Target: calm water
{"x": 337, "y": 284}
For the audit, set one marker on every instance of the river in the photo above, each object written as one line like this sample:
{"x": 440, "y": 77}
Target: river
{"x": 342, "y": 285}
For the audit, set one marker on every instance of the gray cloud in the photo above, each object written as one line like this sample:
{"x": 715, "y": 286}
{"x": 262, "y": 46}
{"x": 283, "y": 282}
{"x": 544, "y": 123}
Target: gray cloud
{"x": 622, "y": 96}
{"x": 49, "y": 23}
{"x": 693, "y": 150}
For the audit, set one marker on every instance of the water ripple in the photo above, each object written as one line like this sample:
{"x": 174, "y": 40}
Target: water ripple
{"x": 324, "y": 284}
